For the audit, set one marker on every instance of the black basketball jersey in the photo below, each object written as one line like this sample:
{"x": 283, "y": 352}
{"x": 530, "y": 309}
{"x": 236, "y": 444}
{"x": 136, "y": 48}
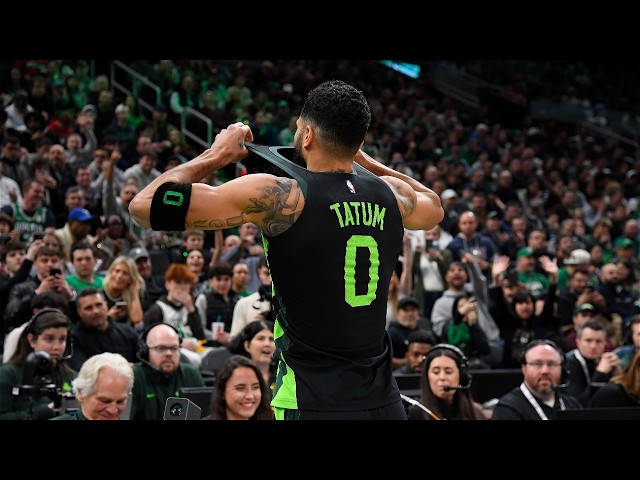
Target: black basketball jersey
{"x": 331, "y": 273}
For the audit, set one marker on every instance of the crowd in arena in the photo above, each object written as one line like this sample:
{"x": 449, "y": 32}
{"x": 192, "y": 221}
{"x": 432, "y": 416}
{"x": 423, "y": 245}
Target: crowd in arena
{"x": 541, "y": 233}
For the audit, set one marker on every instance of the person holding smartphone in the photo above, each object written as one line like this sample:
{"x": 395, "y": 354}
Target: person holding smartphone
{"x": 48, "y": 278}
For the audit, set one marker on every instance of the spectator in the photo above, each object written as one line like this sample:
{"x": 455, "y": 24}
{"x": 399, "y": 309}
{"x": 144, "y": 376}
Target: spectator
{"x": 102, "y": 388}
{"x": 578, "y": 259}
{"x": 38, "y": 302}
{"x": 457, "y": 278}
{"x": 114, "y": 239}
{"x": 632, "y": 345}
{"x": 535, "y": 283}
{"x": 62, "y": 171}
{"x": 470, "y": 246}
{"x": 196, "y": 263}
{"x": 153, "y": 282}
{"x": 623, "y": 390}
{"x": 160, "y": 374}
{"x": 123, "y": 287}
{"x": 240, "y": 392}
{"x": 407, "y": 321}
{"x": 538, "y": 397}
{"x": 444, "y": 387}
{"x": 84, "y": 261}
{"x": 120, "y": 205}
{"x": 588, "y": 365}
{"x": 75, "y": 230}
{"x": 177, "y": 309}
{"x": 419, "y": 342}
{"x": 217, "y": 305}
{"x": 581, "y": 315}
{"x": 47, "y": 277}
{"x": 9, "y": 189}
{"x": 576, "y": 293}
{"x": 430, "y": 265}
{"x": 74, "y": 198}
{"x": 255, "y": 341}
{"x": 46, "y": 334}
{"x": 13, "y": 167}
{"x": 256, "y": 306}
{"x": 96, "y": 332}
{"x": 144, "y": 172}
{"x": 30, "y": 216}
{"x": 17, "y": 262}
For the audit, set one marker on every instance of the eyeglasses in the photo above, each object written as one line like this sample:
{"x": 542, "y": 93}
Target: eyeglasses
{"x": 549, "y": 365}
{"x": 164, "y": 349}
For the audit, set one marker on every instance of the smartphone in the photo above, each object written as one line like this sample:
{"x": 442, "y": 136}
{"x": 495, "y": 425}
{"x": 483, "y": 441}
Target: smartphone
{"x": 55, "y": 271}
{"x": 121, "y": 304}
{"x": 38, "y": 236}
{"x": 621, "y": 352}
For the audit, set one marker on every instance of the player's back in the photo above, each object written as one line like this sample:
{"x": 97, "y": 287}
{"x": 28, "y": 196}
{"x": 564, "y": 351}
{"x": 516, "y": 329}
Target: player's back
{"x": 331, "y": 273}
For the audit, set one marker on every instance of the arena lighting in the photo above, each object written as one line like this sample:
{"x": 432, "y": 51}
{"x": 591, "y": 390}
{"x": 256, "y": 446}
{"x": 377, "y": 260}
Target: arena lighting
{"x": 409, "y": 69}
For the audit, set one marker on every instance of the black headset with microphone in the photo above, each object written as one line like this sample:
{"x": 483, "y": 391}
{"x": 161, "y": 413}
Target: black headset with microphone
{"x": 30, "y": 328}
{"x": 460, "y": 359}
{"x": 143, "y": 348}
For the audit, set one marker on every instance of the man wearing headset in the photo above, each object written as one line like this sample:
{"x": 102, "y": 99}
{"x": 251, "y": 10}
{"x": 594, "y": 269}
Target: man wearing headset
{"x": 540, "y": 395}
{"x": 160, "y": 374}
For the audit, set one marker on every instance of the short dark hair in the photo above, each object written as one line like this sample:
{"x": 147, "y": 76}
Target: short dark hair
{"x": 85, "y": 292}
{"x": 421, "y": 336}
{"x": 593, "y": 325}
{"x": 341, "y": 115}
{"x": 81, "y": 246}
{"x": 49, "y": 300}
{"x": 221, "y": 269}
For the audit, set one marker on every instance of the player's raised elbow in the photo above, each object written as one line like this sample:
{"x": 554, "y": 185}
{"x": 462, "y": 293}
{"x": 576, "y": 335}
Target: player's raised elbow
{"x": 427, "y": 213}
{"x": 139, "y": 210}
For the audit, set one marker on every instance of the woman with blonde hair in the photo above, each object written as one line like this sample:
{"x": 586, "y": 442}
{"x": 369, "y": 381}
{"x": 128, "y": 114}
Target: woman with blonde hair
{"x": 123, "y": 287}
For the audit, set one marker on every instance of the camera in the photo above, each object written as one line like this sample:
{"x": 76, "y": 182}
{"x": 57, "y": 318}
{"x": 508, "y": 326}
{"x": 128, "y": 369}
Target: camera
{"x": 177, "y": 408}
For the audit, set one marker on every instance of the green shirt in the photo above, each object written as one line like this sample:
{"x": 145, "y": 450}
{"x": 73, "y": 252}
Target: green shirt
{"x": 535, "y": 283}
{"x": 78, "y": 284}
{"x": 152, "y": 388}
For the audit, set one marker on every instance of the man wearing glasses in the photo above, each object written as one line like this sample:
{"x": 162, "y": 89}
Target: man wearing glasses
{"x": 540, "y": 395}
{"x": 160, "y": 374}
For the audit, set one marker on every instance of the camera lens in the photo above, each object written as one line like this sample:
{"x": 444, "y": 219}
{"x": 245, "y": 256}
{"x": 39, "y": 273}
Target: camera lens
{"x": 176, "y": 409}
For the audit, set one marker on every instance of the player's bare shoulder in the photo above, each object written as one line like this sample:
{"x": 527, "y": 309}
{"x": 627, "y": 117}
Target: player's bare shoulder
{"x": 405, "y": 195}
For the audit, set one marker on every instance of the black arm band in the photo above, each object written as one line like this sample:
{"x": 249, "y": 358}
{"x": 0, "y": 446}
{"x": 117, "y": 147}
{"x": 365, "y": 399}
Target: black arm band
{"x": 169, "y": 206}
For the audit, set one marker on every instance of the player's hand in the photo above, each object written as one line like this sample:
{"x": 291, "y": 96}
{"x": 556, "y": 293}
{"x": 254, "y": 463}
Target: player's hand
{"x": 230, "y": 142}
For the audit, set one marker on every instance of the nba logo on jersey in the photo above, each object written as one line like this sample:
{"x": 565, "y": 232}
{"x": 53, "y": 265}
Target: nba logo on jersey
{"x": 350, "y": 185}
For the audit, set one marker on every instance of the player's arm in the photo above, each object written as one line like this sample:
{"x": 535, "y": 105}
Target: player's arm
{"x": 420, "y": 206}
{"x": 174, "y": 201}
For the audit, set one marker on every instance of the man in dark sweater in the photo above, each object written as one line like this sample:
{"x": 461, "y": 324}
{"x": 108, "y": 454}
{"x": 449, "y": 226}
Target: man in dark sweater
{"x": 97, "y": 333}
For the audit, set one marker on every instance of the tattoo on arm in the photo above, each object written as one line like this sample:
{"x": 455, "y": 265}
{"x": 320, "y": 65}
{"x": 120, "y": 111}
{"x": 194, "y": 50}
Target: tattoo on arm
{"x": 406, "y": 201}
{"x": 278, "y": 214}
